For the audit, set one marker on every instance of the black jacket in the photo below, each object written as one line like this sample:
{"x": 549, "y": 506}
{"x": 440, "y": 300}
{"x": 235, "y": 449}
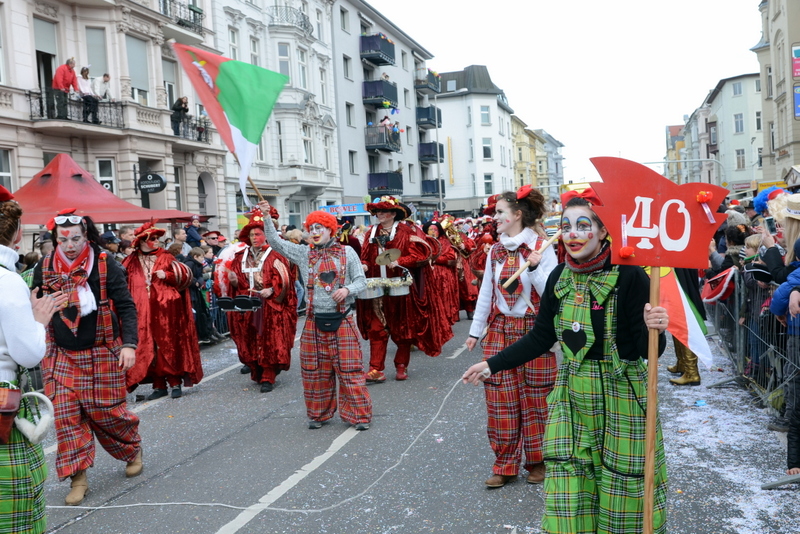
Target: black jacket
{"x": 777, "y": 268}
{"x": 123, "y": 314}
{"x": 633, "y": 287}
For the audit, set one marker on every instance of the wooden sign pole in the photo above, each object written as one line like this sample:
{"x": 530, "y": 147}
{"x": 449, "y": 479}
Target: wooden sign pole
{"x": 652, "y": 407}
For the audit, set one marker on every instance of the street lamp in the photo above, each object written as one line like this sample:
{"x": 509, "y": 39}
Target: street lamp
{"x": 439, "y": 185}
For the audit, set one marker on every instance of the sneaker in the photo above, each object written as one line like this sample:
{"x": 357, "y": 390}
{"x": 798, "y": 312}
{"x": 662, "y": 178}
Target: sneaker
{"x": 361, "y": 426}
{"x": 313, "y": 425}
{"x": 375, "y": 376}
{"x": 157, "y": 394}
{"x": 205, "y": 341}
{"x": 245, "y": 370}
{"x": 779, "y": 424}
{"x": 176, "y": 392}
{"x": 266, "y": 387}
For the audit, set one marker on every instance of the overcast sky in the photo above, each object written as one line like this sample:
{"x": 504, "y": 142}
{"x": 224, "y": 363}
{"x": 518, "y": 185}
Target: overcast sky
{"x": 604, "y": 78}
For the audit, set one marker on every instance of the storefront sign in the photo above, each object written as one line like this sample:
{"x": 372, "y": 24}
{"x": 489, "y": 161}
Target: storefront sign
{"x": 152, "y": 183}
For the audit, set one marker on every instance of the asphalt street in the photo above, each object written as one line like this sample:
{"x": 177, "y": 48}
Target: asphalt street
{"x": 226, "y": 458}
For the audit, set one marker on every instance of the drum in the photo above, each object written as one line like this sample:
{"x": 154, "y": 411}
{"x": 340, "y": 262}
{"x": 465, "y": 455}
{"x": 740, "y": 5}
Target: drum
{"x": 371, "y": 292}
{"x": 398, "y": 290}
{"x": 243, "y": 303}
{"x": 255, "y": 302}
{"x": 225, "y": 303}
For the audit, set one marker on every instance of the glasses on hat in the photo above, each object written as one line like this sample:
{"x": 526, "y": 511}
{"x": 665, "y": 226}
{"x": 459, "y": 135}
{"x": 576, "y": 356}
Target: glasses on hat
{"x": 62, "y": 219}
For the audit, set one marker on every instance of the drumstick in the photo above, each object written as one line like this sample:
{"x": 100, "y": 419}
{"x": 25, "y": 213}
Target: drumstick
{"x": 528, "y": 263}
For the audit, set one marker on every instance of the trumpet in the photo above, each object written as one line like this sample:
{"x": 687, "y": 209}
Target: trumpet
{"x": 452, "y": 234}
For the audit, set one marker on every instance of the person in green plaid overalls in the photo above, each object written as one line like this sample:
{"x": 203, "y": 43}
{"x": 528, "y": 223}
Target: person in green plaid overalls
{"x": 594, "y": 445}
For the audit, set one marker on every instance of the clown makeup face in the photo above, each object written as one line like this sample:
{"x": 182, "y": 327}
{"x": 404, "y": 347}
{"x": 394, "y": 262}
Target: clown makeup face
{"x": 319, "y": 234}
{"x": 433, "y": 231}
{"x": 385, "y": 217}
{"x": 508, "y": 221}
{"x": 582, "y": 235}
{"x": 257, "y": 238}
{"x": 149, "y": 243}
{"x": 71, "y": 240}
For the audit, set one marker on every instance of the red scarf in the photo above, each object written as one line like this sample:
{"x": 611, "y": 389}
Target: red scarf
{"x": 74, "y": 274}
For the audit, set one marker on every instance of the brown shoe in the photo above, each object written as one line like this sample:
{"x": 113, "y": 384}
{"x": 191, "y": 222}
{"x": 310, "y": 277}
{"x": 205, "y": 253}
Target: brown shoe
{"x": 78, "y": 489}
{"x": 536, "y": 474}
{"x": 134, "y": 468}
{"x": 498, "y": 481}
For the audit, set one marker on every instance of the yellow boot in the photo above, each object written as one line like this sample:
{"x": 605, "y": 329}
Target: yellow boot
{"x": 691, "y": 376}
{"x": 679, "y": 350}
{"x": 79, "y": 489}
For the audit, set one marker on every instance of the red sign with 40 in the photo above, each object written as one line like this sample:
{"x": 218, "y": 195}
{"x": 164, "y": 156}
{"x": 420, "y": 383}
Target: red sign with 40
{"x": 651, "y": 220}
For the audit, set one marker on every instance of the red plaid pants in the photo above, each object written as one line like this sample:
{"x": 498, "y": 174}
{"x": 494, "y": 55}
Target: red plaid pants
{"x": 516, "y": 400}
{"x": 88, "y": 393}
{"x": 326, "y": 357}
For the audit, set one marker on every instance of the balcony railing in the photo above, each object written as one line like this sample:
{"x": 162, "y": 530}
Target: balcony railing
{"x": 188, "y": 16}
{"x": 431, "y": 188}
{"x": 429, "y": 117}
{"x": 381, "y": 93}
{"x": 381, "y": 138}
{"x": 57, "y": 105}
{"x": 377, "y": 49}
{"x": 384, "y": 183}
{"x": 427, "y": 82}
{"x": 193, "y": 129}
{"x": 427, "y": 152}
{"x": 289, "y": 16}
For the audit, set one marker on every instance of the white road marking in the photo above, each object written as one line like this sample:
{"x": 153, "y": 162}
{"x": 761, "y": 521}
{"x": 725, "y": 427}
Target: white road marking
{"x": 264, "y": 502}
{"x": 458, "y": 352}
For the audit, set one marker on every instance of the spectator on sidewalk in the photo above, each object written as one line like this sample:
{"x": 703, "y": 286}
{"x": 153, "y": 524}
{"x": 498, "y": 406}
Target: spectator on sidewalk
{"x": 64, "y": 80}
{"x": 193, "y": 236}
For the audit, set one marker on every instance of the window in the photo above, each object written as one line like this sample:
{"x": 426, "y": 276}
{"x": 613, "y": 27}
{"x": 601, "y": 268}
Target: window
{"x": 233, "y": 43}
{"x": 471, "y": 150}
{"x": 501, "y": 127}
{"x": 352, "y": 158}
{"x": 323, "y": 86}
{"x": 295, "y": 212}
{"x": 519, "y": 153}
{"x": 178, "y": 188}
{"x": 283, "y": 59}
{"x": 105, "y": 173}
{"x": 304, "y": 7}
{"x": 254, "y": 45}
{"x": 485, "y": 116}
{"x": 738, "y": 122}
{"x": 758, "y": 121}
{"x": 740, "y": 164}
{"x": 540, "y": 166}
{"x": 96, "y": 51}
{"x": 302, "y": 72}
{"x": 308, "y": 145}
{"x": 168, "y": 70}
{"x": 488, "y": 188}
{"x": 758, "y": 85}
{"x": 737, "y": 88}
{"x": 474, "y": 185}
{"x": 772, "y": 136}
{"x": 469, "y": 115}
{"x": 348, "y": 113}
{"x": 712, "y": 135}
{"x": 346, "y": 66}
{"x": 769, "y": 82}
{"x": 451, "y": 86}
{"x": 409, "y": 136}
{"x": 502, "y": 157}
{"x": 5, "y": 169}
{"x": 404, "y": 59}
{"x": 138, "y": 69}
{"x": 280, "y": 142}
{"x": 344, "y": 17}
{"x": 760, "y": 150}
{"x": 326, "y": 144}
{"x": 320, "y": 35}
{"x": 406, "y": 99}
{"x": 487, "y": 148}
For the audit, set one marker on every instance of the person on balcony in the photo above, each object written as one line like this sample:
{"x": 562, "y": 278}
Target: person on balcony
{"x": 64, "y": 80}
{"x": 179, "y": 111}
{"x": 89, "y": 98}
{"x": 102, "y": 89}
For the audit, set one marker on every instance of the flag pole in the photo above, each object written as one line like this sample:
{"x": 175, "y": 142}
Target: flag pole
{"x": 652, "y": 407}
{"x": 250, "y": 180}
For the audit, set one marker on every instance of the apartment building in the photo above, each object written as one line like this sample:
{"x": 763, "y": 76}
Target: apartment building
{"x": 552, "y": 174}
{"x": 134, "y": 136}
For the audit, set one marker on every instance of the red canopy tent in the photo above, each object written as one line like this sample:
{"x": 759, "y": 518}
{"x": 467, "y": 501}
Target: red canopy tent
{"x": 65, "y": 184}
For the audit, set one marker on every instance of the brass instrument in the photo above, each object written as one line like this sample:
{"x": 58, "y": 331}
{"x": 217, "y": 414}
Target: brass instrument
{"x": 452, "y": 234}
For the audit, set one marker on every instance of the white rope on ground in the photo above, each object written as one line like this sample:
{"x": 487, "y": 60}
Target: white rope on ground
{"x": 274, "y": 509}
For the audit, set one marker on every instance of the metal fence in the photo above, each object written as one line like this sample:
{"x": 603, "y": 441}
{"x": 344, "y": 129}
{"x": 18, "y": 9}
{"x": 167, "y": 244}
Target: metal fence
{"x": 754, "y": 340}
{"x": 54, "y": 104}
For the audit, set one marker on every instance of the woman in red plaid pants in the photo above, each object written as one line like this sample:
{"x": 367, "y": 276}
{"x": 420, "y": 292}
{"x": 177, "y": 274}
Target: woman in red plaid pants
{"x": 516, "y": 400}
